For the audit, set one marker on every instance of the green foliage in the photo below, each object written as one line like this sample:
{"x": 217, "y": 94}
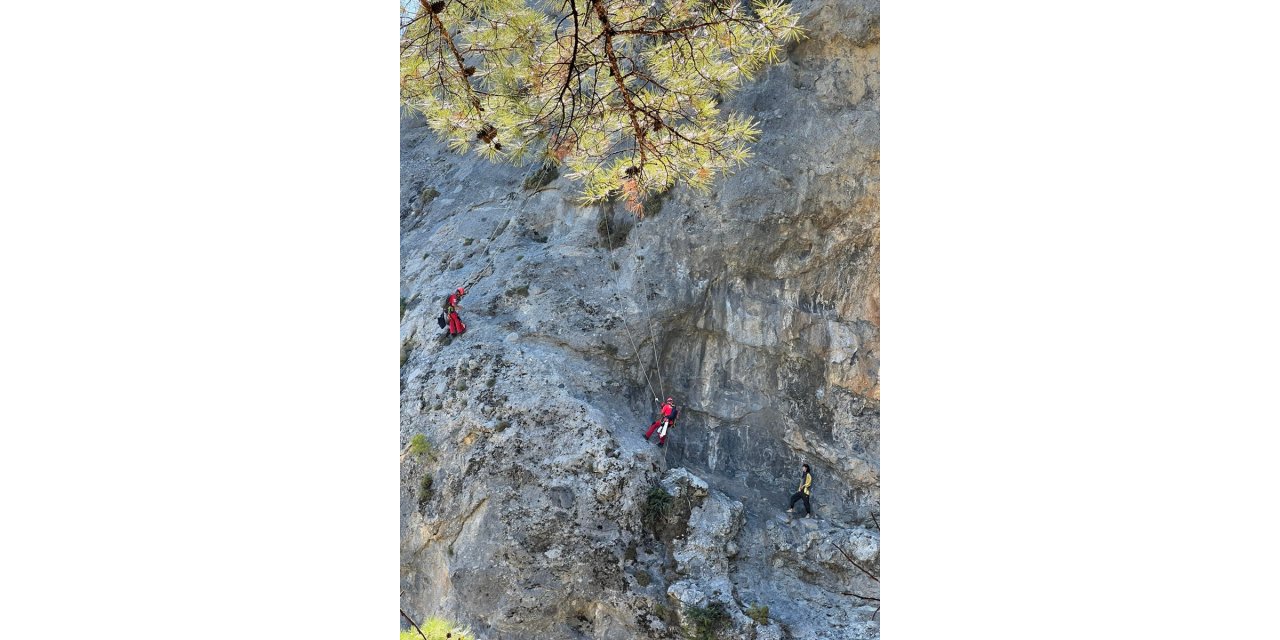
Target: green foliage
{"x": 542, "y": 177}
{"x": 426, "y": 490}
{"x": 759, "y": 613}
{"x": 419, "y": 446}
{"x": 522, "y": 291}
{"x": 663, "y": 612}
{"x": 657, "y": 506}
{"x": 707, "y": 621}
{"x": 437, "y": 629}
{"x": 623, "y": 94}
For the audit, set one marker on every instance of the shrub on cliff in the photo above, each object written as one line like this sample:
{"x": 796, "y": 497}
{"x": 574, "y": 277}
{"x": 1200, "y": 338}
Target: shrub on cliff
{"x": 419, "y": 446}
{"x": 707, "y": 621}
{"x": 657, "y": 506}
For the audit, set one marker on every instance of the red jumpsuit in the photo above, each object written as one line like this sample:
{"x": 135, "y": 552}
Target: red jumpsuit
{"x": 455, "y": 323}
{"x": 667, "y": 410}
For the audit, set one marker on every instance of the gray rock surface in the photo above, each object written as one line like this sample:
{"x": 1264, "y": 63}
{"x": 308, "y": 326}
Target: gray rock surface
{"x": 755, "y": 305}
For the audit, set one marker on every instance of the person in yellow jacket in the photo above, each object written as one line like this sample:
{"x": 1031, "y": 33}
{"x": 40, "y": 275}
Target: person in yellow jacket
{"x": 802, "y": 493}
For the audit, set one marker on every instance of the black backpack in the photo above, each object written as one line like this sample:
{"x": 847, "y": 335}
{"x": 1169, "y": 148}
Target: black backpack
{"x": 443, "y": 320}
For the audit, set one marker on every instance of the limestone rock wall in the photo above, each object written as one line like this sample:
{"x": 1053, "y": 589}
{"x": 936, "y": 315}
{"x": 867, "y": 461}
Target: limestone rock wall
{"x": 756, "y": 306}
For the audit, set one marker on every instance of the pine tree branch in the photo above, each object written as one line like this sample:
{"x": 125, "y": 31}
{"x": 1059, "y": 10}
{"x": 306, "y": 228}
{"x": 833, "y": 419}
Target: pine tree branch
{"x": 415, "y": 625}
{"x": 858, "y": 595}
{"x": 855, "y": 562}
{"x": 617, "y": 76}
{"x": 681, "y": 30}
{"x": 573, "y": 67}
{"x": 462, "y": 65}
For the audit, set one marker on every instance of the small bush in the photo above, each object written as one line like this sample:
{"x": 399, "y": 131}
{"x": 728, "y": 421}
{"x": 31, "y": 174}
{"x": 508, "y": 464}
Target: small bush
{"x": 709, "y": 620}
{"x": 759, "y": 613}
{"x": 418, "y": 445}
{"x": 652, "y": 207}
{"x": 643, "y": 579}
{"x": 466, "y": 242}
{"x": 657, "y": 506}
{"x": 502, "y": 426}
{"x": 542, "y": 177}
{"x": 522, "y": 291}
{"x": 663, "y": 612}
{"x": 426, "y": 491}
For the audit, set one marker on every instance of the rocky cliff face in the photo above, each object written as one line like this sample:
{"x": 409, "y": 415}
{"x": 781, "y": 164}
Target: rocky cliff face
{"x": 756, "y": 306}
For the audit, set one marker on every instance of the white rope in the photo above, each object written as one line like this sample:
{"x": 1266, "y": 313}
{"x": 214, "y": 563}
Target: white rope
{"x": 626, "y": 325}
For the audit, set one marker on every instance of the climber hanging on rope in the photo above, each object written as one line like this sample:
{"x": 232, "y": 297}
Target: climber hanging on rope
{"x": 456, "y": 328}
{"x": 666, "y": 419}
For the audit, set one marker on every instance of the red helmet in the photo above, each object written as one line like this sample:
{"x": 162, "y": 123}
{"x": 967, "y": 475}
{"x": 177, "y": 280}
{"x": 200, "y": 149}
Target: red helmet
{"x": 462, "y": 291}
{"x": 671, "y": 399}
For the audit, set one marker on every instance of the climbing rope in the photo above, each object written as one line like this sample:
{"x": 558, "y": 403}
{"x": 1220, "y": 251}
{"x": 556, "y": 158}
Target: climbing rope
{"x": 635, "y": 348}
{"x": 627, "y": 326}
{"x": 657, "y": 360}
